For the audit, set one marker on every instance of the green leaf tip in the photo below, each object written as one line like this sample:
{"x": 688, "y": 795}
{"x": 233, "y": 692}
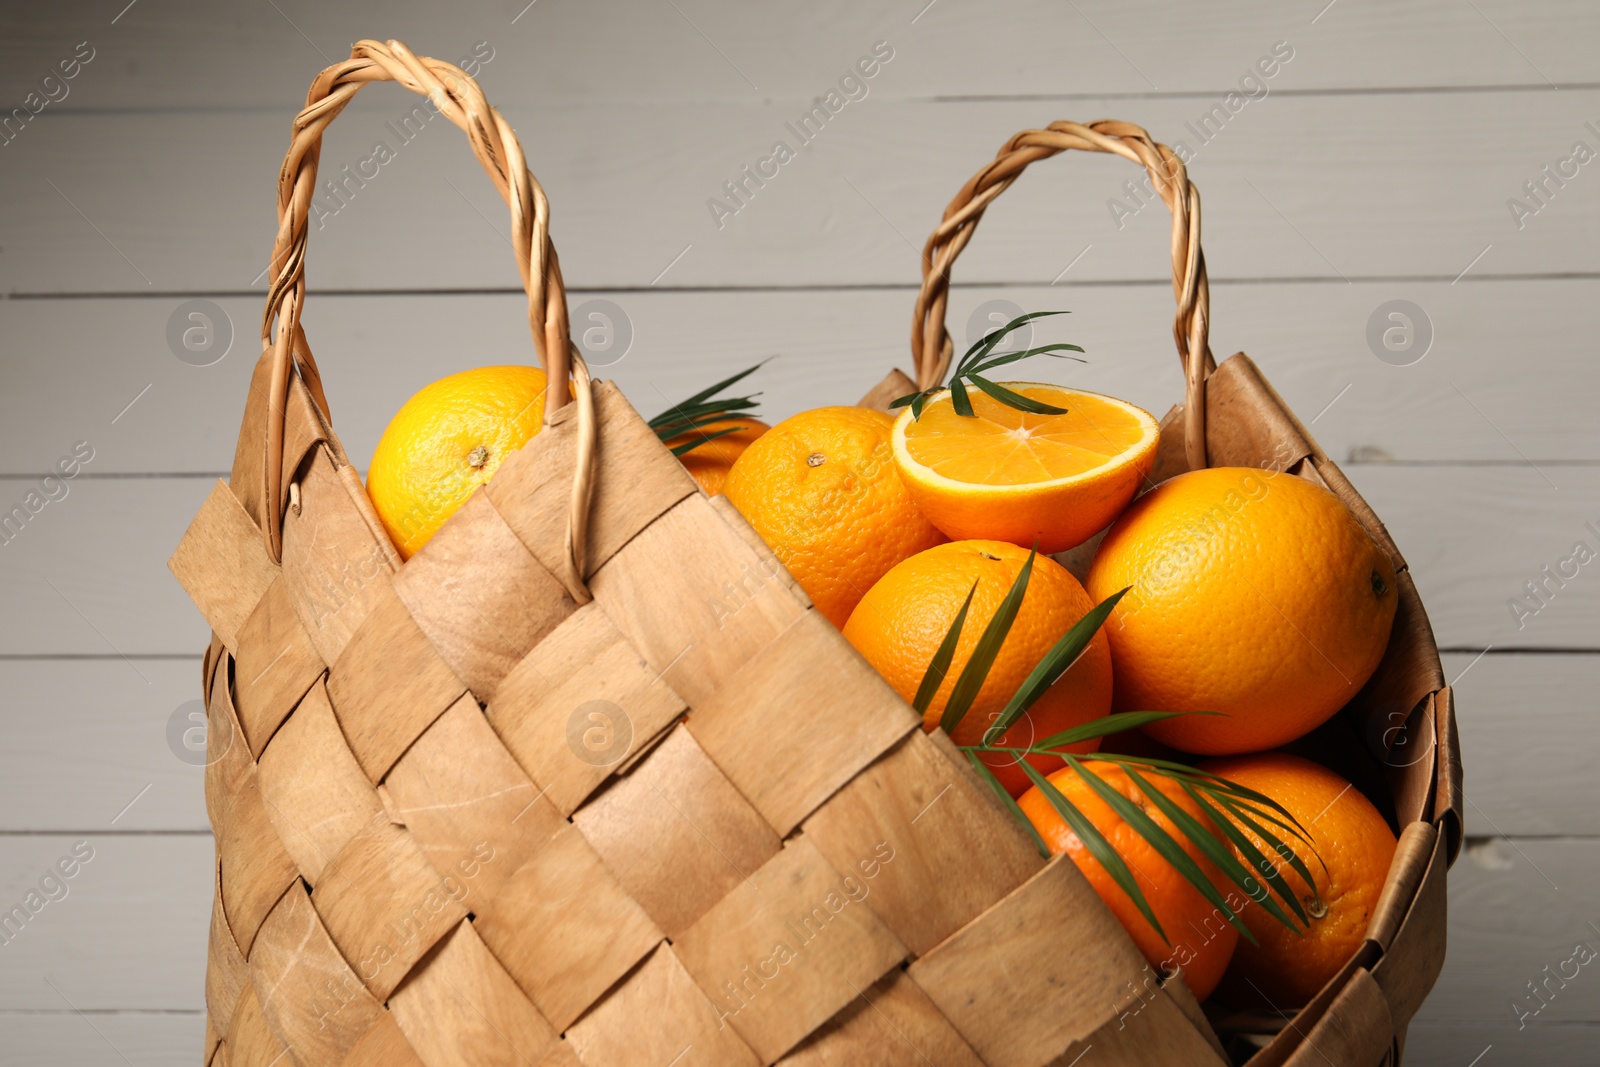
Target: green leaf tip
{"x": 703, "y": 409}
{"x": 978, "y": 360}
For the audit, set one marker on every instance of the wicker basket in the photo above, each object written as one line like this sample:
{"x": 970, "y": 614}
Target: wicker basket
{"x": 569, "y": 787}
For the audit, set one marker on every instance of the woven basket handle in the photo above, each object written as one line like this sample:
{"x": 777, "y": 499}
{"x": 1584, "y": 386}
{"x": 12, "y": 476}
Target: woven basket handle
{"x": 931, "y": 347}
{"x": 459, "y": 99}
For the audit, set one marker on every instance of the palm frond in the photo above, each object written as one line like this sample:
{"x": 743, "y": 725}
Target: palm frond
{"x": 1228, "y": 805}
{"x": 979, "y": 359}
{"x": 976, "y": 671}
{"x": 703, "y": 409}
{"x": 1096, "y": 843}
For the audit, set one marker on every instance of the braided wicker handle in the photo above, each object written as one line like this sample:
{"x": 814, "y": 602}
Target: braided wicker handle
{"x": 931, "y": 347}
{"x": 459, "y": 99}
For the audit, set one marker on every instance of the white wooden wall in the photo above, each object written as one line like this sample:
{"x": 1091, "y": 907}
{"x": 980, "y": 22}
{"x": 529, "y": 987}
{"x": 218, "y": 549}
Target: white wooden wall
{"x": 1378, "y": 167}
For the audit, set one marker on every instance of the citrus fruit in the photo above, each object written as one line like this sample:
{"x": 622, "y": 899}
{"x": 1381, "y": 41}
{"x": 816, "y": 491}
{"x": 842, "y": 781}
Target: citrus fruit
{"x": 710, "y": 461}
{"x": 1354, "y": 847}
{"x": 900, "y": 623}
{"x": 1199, "y": 938}
{"x": 446, "y": 441}
{"x": 1009, "y": 475}
{"x": 821, "y": 489}
{"x": 1253, "y": 594}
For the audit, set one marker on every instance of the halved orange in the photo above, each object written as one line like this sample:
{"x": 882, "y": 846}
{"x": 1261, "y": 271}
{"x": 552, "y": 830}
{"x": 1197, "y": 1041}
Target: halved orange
{"x": 1010, "y": 475}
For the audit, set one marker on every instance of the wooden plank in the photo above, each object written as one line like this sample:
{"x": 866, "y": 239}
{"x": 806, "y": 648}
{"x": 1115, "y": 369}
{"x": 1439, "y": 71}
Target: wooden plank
{"x": 85, "y": 738}
{"x": 1290, "y": 191}
{"x": 1455, "y": 1044}
{"x": 1527, "y": 727}
{"x": 253, "y": 57}
{"x": 129, "y": 934}
{"x": 1473, "y": 536}
{"x": 143, "y": 1040}
{"x": 375, "y": 351}
{"x": 1508, "y": 921}
{"x": 91, "y": 570}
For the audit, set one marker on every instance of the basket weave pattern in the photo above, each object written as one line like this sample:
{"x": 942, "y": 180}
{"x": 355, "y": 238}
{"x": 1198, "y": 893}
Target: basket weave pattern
{"x": 588, "y": 781}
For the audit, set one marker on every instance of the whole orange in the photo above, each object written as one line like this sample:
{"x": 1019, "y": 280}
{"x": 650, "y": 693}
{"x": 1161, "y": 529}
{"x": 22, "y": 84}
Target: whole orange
{"x": 1354, "y": 847}
{"x": 900, "y": 623}
{"x": 1254, "y": 594}
{"x": 447, "y": 440}
{"x": 1199, "y": 938}
{"x": 821, "y": 489}
{"x": 710, "y": 461}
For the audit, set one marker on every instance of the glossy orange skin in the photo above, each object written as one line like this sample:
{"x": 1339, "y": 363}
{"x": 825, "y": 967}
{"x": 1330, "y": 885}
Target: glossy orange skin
{"x": 1351, "y": 840}
{"x": 821, "y": 489}
{"x": 710, "y": 461}
{"x": 1199, "y": 939}
{"x": 1255, "y": 594}
{"x": 423, "y": 471}
{"x": 900, "y": 623}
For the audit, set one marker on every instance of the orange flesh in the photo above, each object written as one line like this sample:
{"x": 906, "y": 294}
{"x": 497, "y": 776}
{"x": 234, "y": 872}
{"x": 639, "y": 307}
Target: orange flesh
{"x": 1005, "y": 446}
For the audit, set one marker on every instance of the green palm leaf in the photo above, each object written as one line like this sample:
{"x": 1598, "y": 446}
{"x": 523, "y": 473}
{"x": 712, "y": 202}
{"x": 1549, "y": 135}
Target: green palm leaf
{"x": 1012, "y": 357}
{"x": 1062, "y": 655}
{"x": 960, "y": 400}
{"x": 699, "y": 416}
{"x": 1255, "y": 861}
{"x": 934, "y": 676}
{"x": 986, "y": 344}
{"x": 712, "y": 390}
{"x": 1216, "y": 851}
{"x": 981, "y": 357}
{"x": 1284, "y": 851}
{"x": 690, "y": 446}
{"x": 1101, "y": 727}
{"x": 1006, "y": 799}
{"x": 1012, "y": 398}
{"x": 1211, "y": 781}
{"x": 1160, "y": 840}
{"x": 1096, "y": 843}
{"x": 976, "y": 670}
{"x": 701, "y": 410}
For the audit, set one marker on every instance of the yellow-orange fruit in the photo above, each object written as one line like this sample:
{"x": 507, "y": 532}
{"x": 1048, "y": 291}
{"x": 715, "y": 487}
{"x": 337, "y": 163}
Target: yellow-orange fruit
{"x": 900, "y": 623}
{"x": 710, "y": 461}
{"x": 1199, "y": 939}
{"x": 447, "y": 440}
{"x": 1253, "y": 594}
{"x": 1354, "y": 847}
{"x": 822, "y": 491}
